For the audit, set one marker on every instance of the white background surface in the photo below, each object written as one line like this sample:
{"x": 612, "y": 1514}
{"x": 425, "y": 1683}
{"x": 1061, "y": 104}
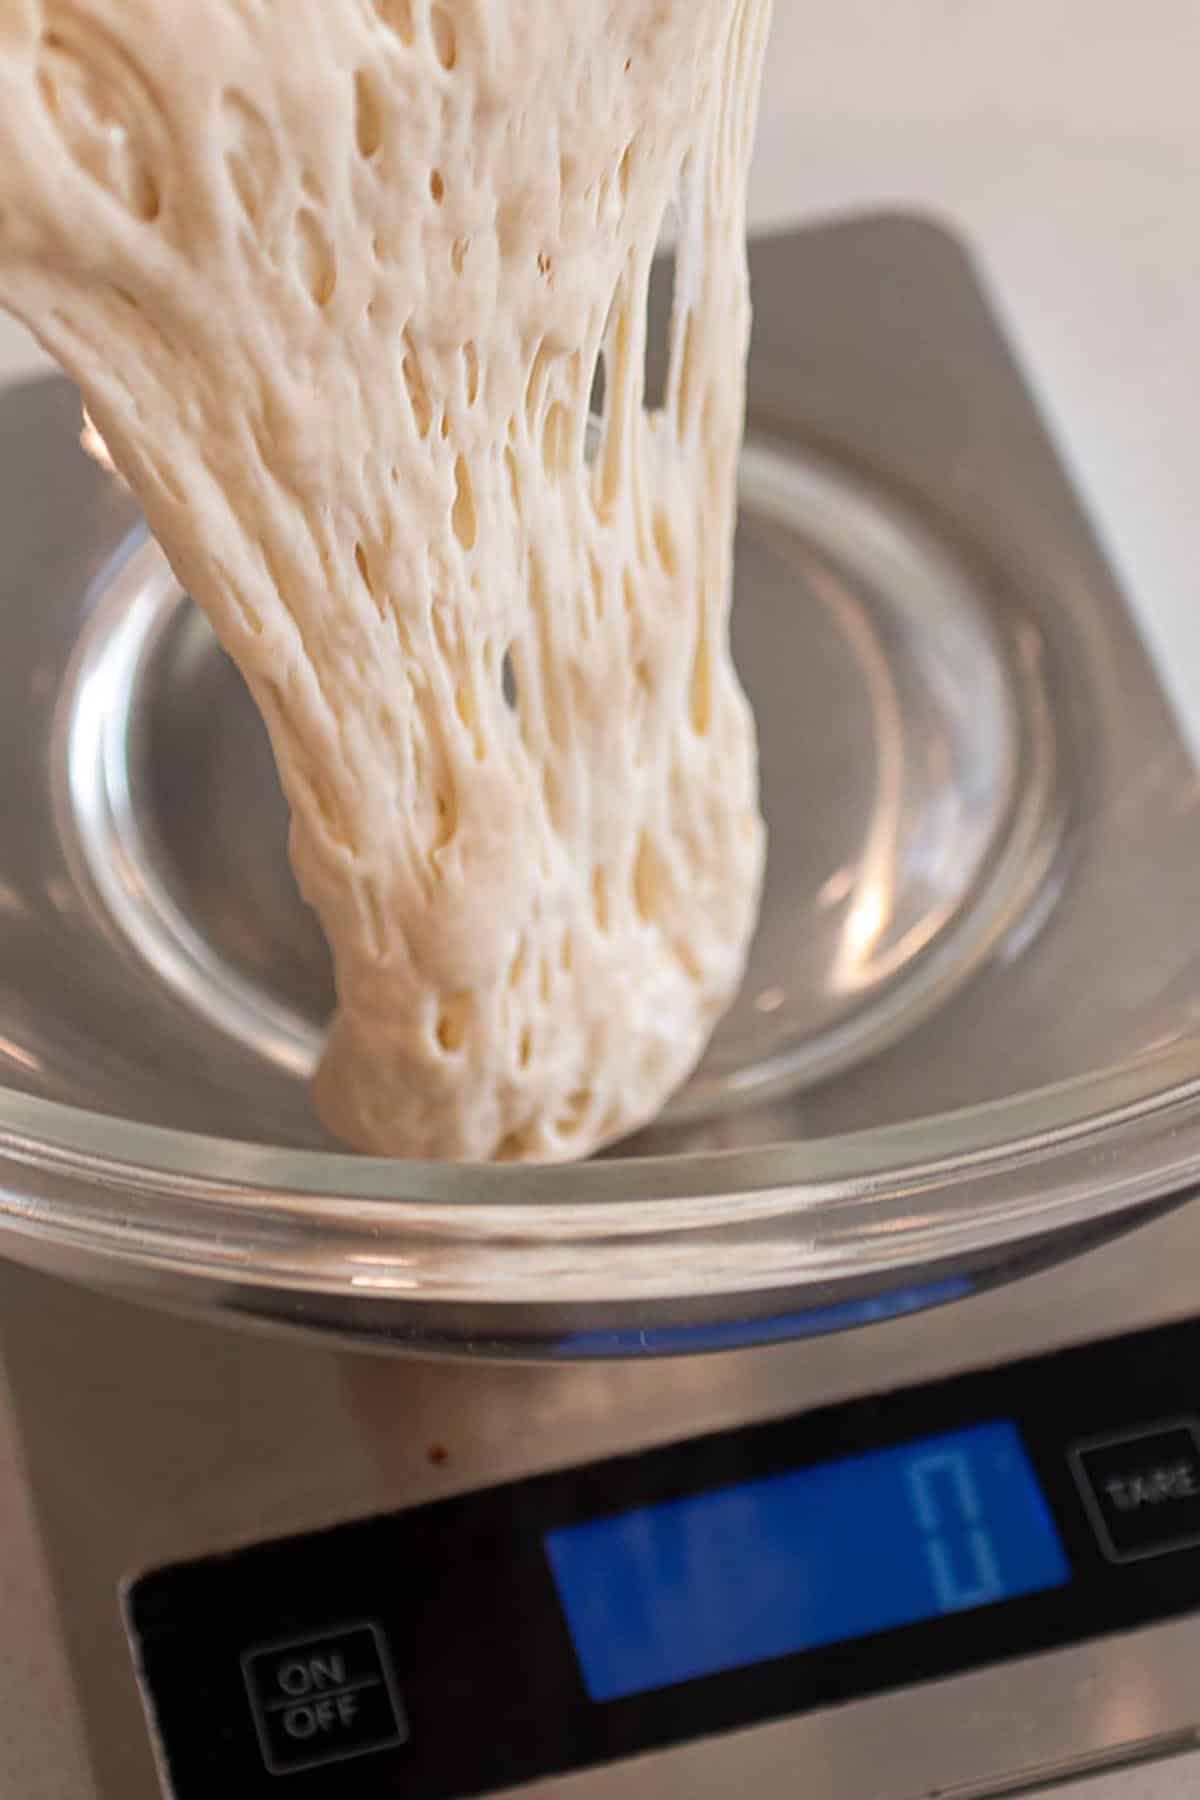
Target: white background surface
{"x": 1063, "y": 136}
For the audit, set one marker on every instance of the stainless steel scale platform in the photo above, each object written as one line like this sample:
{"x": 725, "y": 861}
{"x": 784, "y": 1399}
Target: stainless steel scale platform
{"x": 1040, "y": 932}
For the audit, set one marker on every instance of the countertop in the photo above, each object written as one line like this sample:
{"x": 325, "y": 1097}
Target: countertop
{"x": 1062, "y": 137}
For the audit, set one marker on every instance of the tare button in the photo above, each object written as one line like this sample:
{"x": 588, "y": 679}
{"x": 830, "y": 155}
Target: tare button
{"x": 1142, "y": 1489}
{"x": 323, "y": 1699}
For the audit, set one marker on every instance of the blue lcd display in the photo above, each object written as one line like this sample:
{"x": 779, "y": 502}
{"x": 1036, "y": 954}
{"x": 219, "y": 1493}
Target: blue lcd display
{"x": 817, "y": 1556}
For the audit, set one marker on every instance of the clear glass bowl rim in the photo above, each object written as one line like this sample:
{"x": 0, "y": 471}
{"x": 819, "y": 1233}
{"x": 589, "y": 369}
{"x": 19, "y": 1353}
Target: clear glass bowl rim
{"x": 863, "y": 1205}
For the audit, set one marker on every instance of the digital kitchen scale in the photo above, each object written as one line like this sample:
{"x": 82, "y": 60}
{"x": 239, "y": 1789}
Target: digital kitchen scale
{"x": 924, "y": 1532}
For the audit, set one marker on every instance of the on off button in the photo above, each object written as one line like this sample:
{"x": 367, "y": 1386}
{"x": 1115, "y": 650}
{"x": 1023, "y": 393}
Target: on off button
{"x": 1142, "y": 1489}
{"x": 323, "y": 1699}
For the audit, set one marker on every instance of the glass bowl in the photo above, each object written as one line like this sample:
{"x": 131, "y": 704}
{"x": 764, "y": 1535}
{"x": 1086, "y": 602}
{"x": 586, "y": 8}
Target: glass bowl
{"x": 966, "y": 1040}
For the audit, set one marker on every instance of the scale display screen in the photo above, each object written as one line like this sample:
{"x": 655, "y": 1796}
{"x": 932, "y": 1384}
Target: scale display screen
{"x": 748, "y": 1572}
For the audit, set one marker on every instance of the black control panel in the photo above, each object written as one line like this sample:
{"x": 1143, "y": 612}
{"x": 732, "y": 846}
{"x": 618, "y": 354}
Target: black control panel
{"x": 585, "y": 1616}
